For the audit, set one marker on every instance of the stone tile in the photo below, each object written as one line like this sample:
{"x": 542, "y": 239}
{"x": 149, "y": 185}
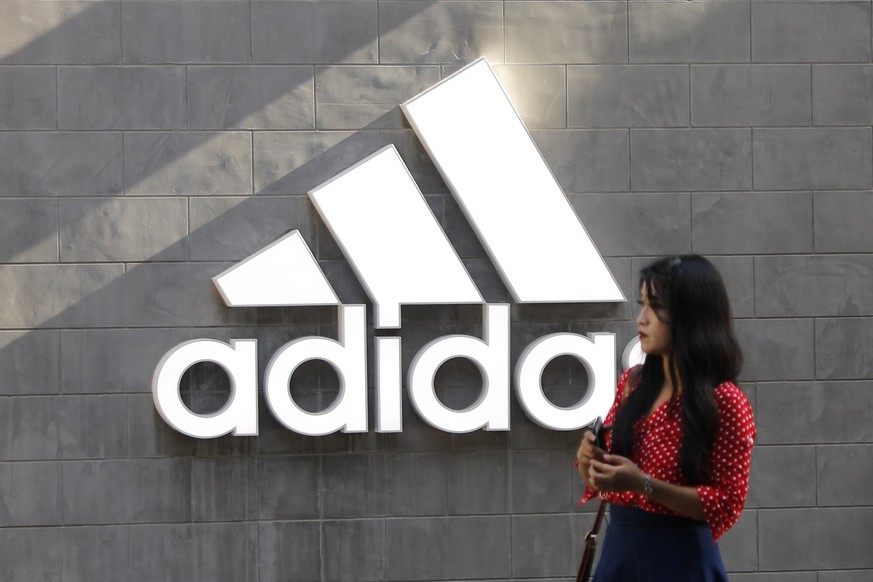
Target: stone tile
{"x": 478, "y": 483}
{"x": 224, "y": 489}
{"x": 367, "y": 96}
{"x": 66, "y": 295}
{"x": 773, "y": 467}
{"x": 70, "y": 554}
{"x": 314, "y": 32}
{"x": 296, "y": 162}
{"x": 231, "y": 228}
{"x": 289, "y": 551}
{"x": 842, "y": 348}
{"x": 542, "y": 545}
{"x": 292, "y": 163}
{"x": 225, "y": 446}
{"x": 738, "y": 275}
{"x": 698, "y": 32}
{"x": 121, "y": 97}
{"x": 251, "y": 97}
{"x": 628, "y": 96}
{"x": 29, "y": 97}
{"x": 354, "y": 486}
{"x": 127, "y": 491}
{"x": 845, "y": 576}
{"x": 69, "y": 427}
{"x": 566, "y": 32}
{"x": 415, "y": 484}
{"x": 610, "y": 220}
{"x": 417, "y": 435}
{"x": 750, "y": 95}
{"x": 587, "y": 161}
{"x": 458, "y": 547}
{"x": 150, "y": 436}
{"x": 842, "y": 474}
{"x": 213, "y": 565}
{"x": 752, "y": 222}
{"x": 6, "y": 431}
{"x": 28, "y": 230}
{"x": 840, "y": 94}
{"x": 840, "y": 222}
{"x": 114, "y": 360}
{"x": 441, "y": 32}
{"x": 814, "y": 412}
{"x": 538, "y": 93}
{"x": 95, "y": 553}
{"x": 354, "y": 546}
{"x": 819, "y": 285}
{"x": 175, "y": 294}
{"x": 188, "y": 163}
{"x": 288, "y": 487}
{"x": 32, "y": 554}
{"x": 810, "y": 32}
{"x": 30, "y": 360}
{"x": 541, "y": 482}
{"x": 59, "y": 32}
{"x": 819, "y": 158}
{"x": 60, "y": 164}
{"x": 30, "y": 494}
{"x": 691, "y": 159}
{"x": 739, "y": 546}
{"x": 776, "y": 349}
{"x": 186, "y": 32}
{"x": 338, "y": 442}
{"x": 161, "y": 552}
{"x": 123, "y": 229}
{"x": 842, "y": 534}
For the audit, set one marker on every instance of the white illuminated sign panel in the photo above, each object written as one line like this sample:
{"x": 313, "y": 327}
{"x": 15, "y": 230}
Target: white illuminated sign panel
{"x": 385, "y": 228}
{"x": 239, "y": 416}
{"x": 517, "y": 208}
{"x": 490, "y": 354}
{"x": 397, "y": 249}
{"x": 283, "y": 273}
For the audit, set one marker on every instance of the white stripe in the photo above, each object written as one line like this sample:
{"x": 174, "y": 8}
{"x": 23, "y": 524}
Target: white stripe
{"x": 282, "y": 273}
{"x": 387, "y": 231}
{"x": 509, "y": 195}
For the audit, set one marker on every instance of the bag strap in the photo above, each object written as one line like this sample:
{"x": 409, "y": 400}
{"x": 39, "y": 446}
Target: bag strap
{"x": 595, "y": 529}
{"x": 590, "y": 547}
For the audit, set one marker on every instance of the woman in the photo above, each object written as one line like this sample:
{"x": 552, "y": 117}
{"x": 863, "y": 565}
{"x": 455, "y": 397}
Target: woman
{"x": 676, "y": 472}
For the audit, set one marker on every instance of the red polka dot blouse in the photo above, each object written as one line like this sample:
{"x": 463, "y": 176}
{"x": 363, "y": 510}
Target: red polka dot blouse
{"x": 656, "y": 452}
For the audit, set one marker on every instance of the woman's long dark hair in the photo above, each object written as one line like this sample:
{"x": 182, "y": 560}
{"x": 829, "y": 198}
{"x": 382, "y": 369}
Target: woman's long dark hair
{"x": 688, "y": 294}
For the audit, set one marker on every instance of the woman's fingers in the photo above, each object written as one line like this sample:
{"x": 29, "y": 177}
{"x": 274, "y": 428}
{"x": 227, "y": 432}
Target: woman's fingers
{"x": 614, "y": 473}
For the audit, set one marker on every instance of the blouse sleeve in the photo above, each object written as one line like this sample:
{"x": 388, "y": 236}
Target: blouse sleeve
{"x": 610, "y": 417}
{"x": 724, "y": 499}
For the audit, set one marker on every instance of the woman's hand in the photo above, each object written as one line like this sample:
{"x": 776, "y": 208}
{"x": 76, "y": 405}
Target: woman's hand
{"x": 587, "y": 452}
{"x": 615, "y": 473}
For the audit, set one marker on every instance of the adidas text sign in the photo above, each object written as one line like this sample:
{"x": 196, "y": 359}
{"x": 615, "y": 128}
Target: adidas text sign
{"x": 385, "y": 228}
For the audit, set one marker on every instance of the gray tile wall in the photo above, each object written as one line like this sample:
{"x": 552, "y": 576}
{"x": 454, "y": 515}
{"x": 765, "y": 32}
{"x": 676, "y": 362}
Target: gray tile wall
{"x": 148, "y": 145}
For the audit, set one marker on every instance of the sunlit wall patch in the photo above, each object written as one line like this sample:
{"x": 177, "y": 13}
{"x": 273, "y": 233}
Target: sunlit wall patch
{"x": 516, "y": 206}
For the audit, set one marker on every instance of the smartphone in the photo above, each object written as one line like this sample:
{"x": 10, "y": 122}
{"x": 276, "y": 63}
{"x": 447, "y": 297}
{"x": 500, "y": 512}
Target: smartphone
{"x": 599, "y": 433}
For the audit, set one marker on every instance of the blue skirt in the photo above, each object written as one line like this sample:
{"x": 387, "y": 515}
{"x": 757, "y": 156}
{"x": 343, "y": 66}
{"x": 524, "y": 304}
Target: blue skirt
{"x": 641, "y": 546}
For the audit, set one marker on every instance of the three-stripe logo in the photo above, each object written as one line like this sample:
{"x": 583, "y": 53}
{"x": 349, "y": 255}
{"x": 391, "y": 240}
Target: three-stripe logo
{"x": 385, "y": 228}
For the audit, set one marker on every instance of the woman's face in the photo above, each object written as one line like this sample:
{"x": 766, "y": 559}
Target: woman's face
{"x": 656, "y": 339}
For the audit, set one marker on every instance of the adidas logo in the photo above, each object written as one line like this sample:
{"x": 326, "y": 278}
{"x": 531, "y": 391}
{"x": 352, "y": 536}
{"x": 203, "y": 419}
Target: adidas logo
{"x": 389, "y": 235}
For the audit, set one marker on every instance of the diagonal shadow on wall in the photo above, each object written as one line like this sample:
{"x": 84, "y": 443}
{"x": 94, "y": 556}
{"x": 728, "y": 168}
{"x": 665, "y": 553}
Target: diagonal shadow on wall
{"x": 162, "y": 300}
{"x": 63, "y": 172}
